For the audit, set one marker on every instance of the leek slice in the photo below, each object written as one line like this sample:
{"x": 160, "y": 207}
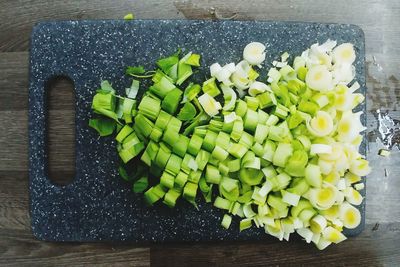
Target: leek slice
{"x": 104, "y": 127}
{"x": 226, "y": 221}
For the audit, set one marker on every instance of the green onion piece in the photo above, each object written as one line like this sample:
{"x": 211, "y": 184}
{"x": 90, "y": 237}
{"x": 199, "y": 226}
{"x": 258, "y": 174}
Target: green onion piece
{"x": 174, "y": 164}
{"x": 181, "y": 146}
{"x": 171, "y": 136}
{"x": 193, "y": 60}
{"x": 163, "y": 120}
{"x": 222, "y": 203}
{"x": 313, "y": 175}
{"x": 171, "y": 101}
{"x": 226, "y": 221}
{"x": 282, "y": 154}
{"x": 123, "y": 133}
{"x": 250, "y": 176}
{"x": 184, "y": 71}
{"x": 220, "y": 153}
{"x": 261, "y": 133}
{"x": 104, "y": 126}
{"x": 194, "y": 145}
{"x": 140, "y": 185}
{"x": 162, "y": 87}
{"x": 241, "y": 108}
{"x": 127, "y": 108}
{"x": 150, "y": 107}
{"x": 144, "y": 125}
{"x": 296, "y": 163}
{"x": 301, "y": 73}
{"x": 190, "y": 191}
{"x": 212, "y": 175}
{"x": 180, "y": 180}
{"x": 210, "y": 87}
{"x": 237, "y": 150}
{"x": 187, "y": 112}
{"x": 237, "y": 130}
{"x": 202, "y": 159}
{"x": 250, "y": 120}
{"x": 167, "y": 180}
{"x": 170, "y": 197}
{"x": 191, "y": 91}
{"x": 209, "y": 141}
{"x": 223, "y": 140}
{"x": 162, "y": 156}
{"x": 265, "y": 100}
{"x": 156, "y": 134}
{"x": 245, "y": 224}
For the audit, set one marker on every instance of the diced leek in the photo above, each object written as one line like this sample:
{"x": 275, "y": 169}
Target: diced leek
{"x": 194, "y": 145}
{"x": 209, "y": 104}
{"x": 241, "y": 108}
{"x": 299, "y": 186}
{"x": 246, "y": 139}
{"x": 226, "y": 221}
{"x": 181, "y": 146}
{"x": 212, "y": 175}
{"x": 167, "y": 180}
{"x": 245, "y": 224}
{"x": 210, "y": 87}
{"x": 193, "y": 60}
{"x": 174, "y": 164}
{"x": 234, "y": 165}
{"x": 163, "y": 120}
{"x": 282, "y": 154}
{"x": 222, "y": 203}
{"x": 223, "y": 140}
{"x": 209, "y": 141}
{"x": 274, "y": 74}
{"x": 194, "y": 176}
{"x": 250, "y": 120}
{"x": 150, "y": 107}
{"x": 127, "y": 107}
{"x": 170, "y": 197}
{"x": 123, "y": 133}
{"x": 219, "y": 153}
{"x": 290, "y": 198}
{"x": 128, "y": 154}
{"x": 279, "y": 182}
{"x": 313, "y": 175}
{"x": 265, "y": 100}
{"x": 190, "y": 192}
{"x": 104, "y": 127}
{"x": 171, "y": 101}
{"x": 180, "y": 180}
{"x": 237, "y": 130}
{"x": 186, "y": 165}
{"x": 191, "y": 91}
{"x": 156, "y": 134}
{"x": 258, "y": 149}
{"x": 333, "y": 235}
{"x": 184, "y": 70}
{"x": 296, "y": 163}
{"x": 250, "y": 176}
{"x": 269, "y": 150}
{"x": 162, "y": 156}
{"x": 202, "y": 158}
{"x": 252, "y": 102}
{"x": 237, "y": 150}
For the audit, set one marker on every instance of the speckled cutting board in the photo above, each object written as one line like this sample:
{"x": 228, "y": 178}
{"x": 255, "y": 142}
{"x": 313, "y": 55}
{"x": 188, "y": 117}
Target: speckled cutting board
{"x": 98, "y": 204}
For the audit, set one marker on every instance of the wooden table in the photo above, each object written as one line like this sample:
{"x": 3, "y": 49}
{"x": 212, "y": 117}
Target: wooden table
{"x": 378, "y": 245}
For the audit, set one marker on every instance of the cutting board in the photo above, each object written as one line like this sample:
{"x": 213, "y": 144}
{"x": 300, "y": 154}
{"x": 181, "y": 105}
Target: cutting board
{"x": 98, "y": 204}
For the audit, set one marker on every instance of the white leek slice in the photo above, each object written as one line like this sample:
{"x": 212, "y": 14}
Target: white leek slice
{"x": 359, "y": 186}
{"x": 209, "y": 104}
{"x": 254, "y": 53}
{"x": 315, "y": 239}
{"x": 325, "y": 166}
{"x": 343, "y": 73}
{"x": 323, "y": 198}
{"x": 337, "y": 151}
{"x": 354, "y": 87}
{"x": 318, "y": 224}
{"x": 339, "y": 198}
{"x": 228, "y": 118}
{"x": 344, "y": 53}
{"x": 321, "y": 124}
{"x": 349, "y": 215}
{"x": 360, "y": 167}
{"x": 323, "y": 243}
{"x": 290, "y": 198}
{"x": 341, "y": 184}
{"x": 258, "y": 88}
{"x": 297, "y": 223}
{"x": 230, "y": 94}
{"x": 265, "y": 189}
{"x": 223, "y": 75}
{"x": 319, "y": 78}
{"x": 320, "y": 149}
{"x": 349, "y": 126}
{"x": 353, "y": 196}
{"x": 214, "y": 69}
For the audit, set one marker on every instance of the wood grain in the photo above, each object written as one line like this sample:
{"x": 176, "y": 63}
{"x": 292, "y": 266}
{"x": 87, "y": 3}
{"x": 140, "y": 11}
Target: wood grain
{"x": 376, "y": 246}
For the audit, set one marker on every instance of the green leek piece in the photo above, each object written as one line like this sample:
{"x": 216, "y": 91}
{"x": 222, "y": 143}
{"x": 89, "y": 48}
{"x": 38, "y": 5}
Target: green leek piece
{"x": 209, "y": 141}
{"x": 210, "y": 87}
{"x": 152, "y": 150}
{"x": 174, "y": 164}
{"x": 295, "y": 85}
{"x": 298, "y": 186}
{"x": 175, "y": 124}
{"x": 272, "y": 120}
{"x": 234, "y": 165}
{"x": 163, "y": 155}
{"x": 168, "y": 63}
{"x": 247, "y": 140}
{"x": 235, "y": 208}
{"x": 223, "y": 140}
{"x": 313, "y": 175}
{"x": 184, "y": 70}
{"x": 204, "y": 187}
{"x": 193, "y": 60}
{"x": 156, "y": 134}
{"x": 181, "y": 146}
{"x": 250, "y": 120}
{"x": 202, "y": 158}
{"x": 302, "y": 205}
{"x": 296, "y": 163}
{"x": 306, "y": 215}
{"x": 281, "y": 111}
{"x": 305, "y": 141}
{"x": 308, "y": 107}
{"x": 145, "y": 158}
{"x": 321, "y": 99}
{"x": 136, "y": 71}
{"x": 258, "y": 149}
{"x": 229, "y": 188}
{"x": 128, "y": 106}
{"x": 252, "y": 102}
{"x": 190, "y": 191}
{"x": 186, "y": 162}
{"x": 237, "y": 130}
{"x": 249, "y": 159}
{"x": 226, "y": 221}
{"x": 276, "y": 133}
{"x": 213, "y": 161}
{"x": 227, "y": 127}
{"x": 222, "y": 203}
{"x": 223, "y": 168}
{"x": 241, "y": 108}
{"x": 150, "y": 107}
{"x": 150, "y": 196}
{"x": 163, "y": 120}
{"x": 296, "y": 144}
{"x": 195, "y": 144}
{"x": 187, "y": 112}
{"x": 215, "y": 125}
{"x": 128, "y": 154}
{"x": 282, "y": 154}
{"x": 269, "y": 150}
{"x": 191, "y": 91}
{"x": 200, "y": 131}
{"x": 162, "y": 87}
{"x": 245, "y": 224}
{"x": 250, "y": 176}
{"x": 262, "y": 116}
{"x": 180, "y": 180}
{"x": 279, "y": 182}
{"x": 276, "y": 202}
{"x": 105, "y": 88}
{"x": 212, "y": 174}
{"x": 104, "y": 126}
{"x": 140, "y": 185}
{"x": 253, "y": 74}
{"x": 194, "y": 176}
{"x": 265, "y": 100}
{"x": 261, "y": 133}
{"x": 301, "y": 73}
{"x": 105, "y": 104}
{"x": 159, "y": 75}
{"x": 237, "y": 150}
{"x": 294, "y": 98}
{"x": 259, "y": 199}
{"x": 171, "y": 197}
{"x": 167, "y": 180}
{"x": 171, "y": 136}
{"x": 144, "y": 125}
{"x": 294, "y": 120}
{"x": 171, "y": 101}
{"x": 133, "y": 90}
{"x": 123, "y": 133}
{"x": 219, "y": 153}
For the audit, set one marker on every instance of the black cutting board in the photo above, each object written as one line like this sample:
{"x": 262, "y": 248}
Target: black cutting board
{"x": 98, "y": 204}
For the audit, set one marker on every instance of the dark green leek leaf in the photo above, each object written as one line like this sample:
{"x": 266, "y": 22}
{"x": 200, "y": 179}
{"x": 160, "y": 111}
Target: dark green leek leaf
{"x": 103, "y": 126}
{"x": 187, "y": 112}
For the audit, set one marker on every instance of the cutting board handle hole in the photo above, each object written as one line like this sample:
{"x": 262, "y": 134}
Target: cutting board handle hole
{"x": 60, "y": 122}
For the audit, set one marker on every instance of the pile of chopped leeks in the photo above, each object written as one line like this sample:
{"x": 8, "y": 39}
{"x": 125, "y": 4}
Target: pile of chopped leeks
{"x": 280, "y": 153}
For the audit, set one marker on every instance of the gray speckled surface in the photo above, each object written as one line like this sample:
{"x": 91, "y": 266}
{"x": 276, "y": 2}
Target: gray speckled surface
{"x": 99, "y": 205}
